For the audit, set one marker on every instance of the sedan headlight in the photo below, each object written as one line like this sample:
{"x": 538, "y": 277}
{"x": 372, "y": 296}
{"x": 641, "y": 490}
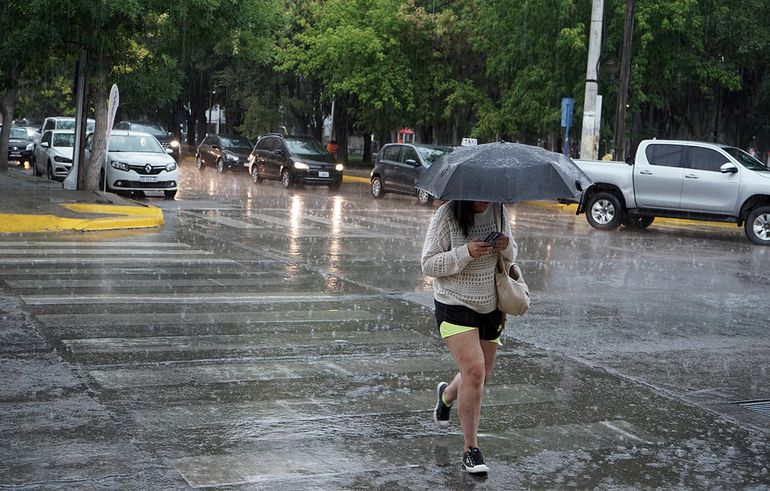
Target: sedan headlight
{"x": 173, "y": 144}
{"x": 170, "y": 166}
{"x": 65, "y": 160}
{"x": 30, "y": 147}
{"x": 338, "y": 167}
{"x": 231, "y": 157}
{"x": 120, "y": 166}
{"x": 301, "y": 166}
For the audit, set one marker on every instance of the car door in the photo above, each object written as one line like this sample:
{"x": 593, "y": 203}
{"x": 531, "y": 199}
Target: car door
{"x": 408, "y": 170}
{"x": 41, "y": 152}
{"x": 658, "y": 177}
{"x": 705, "y": 188}
{"x": 390, "y": 163}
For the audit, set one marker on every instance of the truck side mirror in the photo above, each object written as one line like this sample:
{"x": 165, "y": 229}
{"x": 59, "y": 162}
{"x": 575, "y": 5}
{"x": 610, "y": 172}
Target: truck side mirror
{"x": 728, "y": 168}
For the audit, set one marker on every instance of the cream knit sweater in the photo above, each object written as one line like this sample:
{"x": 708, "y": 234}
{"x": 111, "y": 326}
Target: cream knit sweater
{"x": 458, "y": 278}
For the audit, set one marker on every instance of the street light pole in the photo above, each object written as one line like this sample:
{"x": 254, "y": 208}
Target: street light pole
{"x": 588, "y": 133}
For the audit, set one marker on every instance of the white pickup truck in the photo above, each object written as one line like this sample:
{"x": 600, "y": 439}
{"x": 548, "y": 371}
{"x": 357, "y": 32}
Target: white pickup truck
{"x": 680, "y": 179}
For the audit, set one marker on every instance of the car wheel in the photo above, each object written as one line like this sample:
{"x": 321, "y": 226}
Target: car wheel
{"x": 169, "y": 194}
{"x": 255, "y": 177}
{"x": 604, "y": 211}
{"x": 37, "y": 172}
{"x": 49, "y": 171}
{"x": 377, "y": 190}
{"x": 424, "y": 198}
{"x": 286, "y": 180}
{"x": 198, "y": 162}
{"x": 221, "y": 166}
{"x": 637, "y": 222}
{"x": 757, "y": 225}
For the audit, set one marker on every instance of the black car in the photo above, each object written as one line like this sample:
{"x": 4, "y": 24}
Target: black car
{"x": 398, "y": 167}
{"x": 166, "y": 139}
{"x": 294, "y": 160}
{"x": 224, "y": 152}
{"x": 20, "y": 145}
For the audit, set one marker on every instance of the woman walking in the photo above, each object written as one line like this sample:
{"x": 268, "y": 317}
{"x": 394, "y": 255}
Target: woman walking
{"x": 462, "y": 266}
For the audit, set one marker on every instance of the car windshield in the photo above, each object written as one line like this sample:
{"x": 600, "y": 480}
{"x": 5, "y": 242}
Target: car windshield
{"x": 69, "y": 124}
{"x": 305, "y": 146}
{"x": 63, "y": 139}
{"x": 135, "y": 143}
{"x": 236, "y": 142}
{"x": 153, "y": 129}
{"x": 19, "y": 134}
{"x": 430, "y": 154}
{"x": 746, "y": 160}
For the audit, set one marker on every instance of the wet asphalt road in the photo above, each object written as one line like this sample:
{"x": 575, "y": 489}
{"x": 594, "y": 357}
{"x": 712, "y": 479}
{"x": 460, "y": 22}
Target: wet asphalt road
{"x": 283, "y": 339}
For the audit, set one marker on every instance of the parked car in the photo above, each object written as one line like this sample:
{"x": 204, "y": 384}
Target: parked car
{"x": 166, "y": 139}
{"x": 60, "y": 123}
{"x": 294, "y": 160}
{"x": 680, "y": 179}
{"x": 20, "y": 145}
{"x": 53, "y": 155}
{"x": 398, "y": 167}
{"x": 224, "y": 152}
{"x": 136, "y": 161}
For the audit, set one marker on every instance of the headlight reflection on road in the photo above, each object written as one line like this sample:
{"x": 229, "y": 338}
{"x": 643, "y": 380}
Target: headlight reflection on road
{"x": 335, "y": 246}
{"x": 295, "y": 224}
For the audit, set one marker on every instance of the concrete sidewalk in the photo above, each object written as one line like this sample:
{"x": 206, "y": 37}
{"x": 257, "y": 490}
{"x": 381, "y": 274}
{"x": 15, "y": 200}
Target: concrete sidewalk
{"x": 30, "y": 204}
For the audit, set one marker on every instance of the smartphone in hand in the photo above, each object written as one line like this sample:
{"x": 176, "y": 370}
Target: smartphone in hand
{"x": 492, "y": 238}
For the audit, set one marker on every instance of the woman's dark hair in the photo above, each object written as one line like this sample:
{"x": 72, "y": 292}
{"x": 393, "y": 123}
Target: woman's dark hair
{"x": 463, "y": 213}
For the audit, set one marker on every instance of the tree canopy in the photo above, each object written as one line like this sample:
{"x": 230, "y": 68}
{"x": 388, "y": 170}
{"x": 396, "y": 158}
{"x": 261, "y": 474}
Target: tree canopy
{"x": 493, "y": 69}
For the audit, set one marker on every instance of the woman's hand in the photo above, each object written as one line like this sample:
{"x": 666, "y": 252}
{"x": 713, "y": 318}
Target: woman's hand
{"x": 501, "y": 243}
{"x": 478, "y": 247}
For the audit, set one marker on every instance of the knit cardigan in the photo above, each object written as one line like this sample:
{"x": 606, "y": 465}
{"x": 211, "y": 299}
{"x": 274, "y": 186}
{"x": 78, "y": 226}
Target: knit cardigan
{"x": 458, "y": 278}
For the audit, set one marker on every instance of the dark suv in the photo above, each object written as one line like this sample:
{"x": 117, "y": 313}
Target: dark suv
{"x": 224, "y": 152}
{"x": 295, "y": 160}
{"x": 166, "y": 139}
{"x": 398, "y": 167}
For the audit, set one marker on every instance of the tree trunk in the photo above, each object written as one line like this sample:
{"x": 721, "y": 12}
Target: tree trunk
{"x": 341, "y": 128}
{"x": 367, "y": 157}
{"x": 91, "y": 177}
{"x": 9, "y": 98}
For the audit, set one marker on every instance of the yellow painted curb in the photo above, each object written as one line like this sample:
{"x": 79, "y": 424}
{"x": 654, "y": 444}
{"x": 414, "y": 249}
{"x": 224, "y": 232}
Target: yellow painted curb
{"x": 127, "y": 217}
{"x": 364, "y": 180}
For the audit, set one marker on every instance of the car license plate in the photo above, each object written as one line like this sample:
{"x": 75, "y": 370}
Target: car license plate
{"x": 148, "y": 178}
{"x": 322, "y": 173}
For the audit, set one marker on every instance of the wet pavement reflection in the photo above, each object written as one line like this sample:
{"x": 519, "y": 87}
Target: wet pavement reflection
{"x": 284, "y": 339}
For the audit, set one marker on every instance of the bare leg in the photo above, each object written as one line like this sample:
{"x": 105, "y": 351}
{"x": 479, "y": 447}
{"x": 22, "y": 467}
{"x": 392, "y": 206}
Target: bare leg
{"x": 469, "y": 383}
{"x": 490, "y": 352}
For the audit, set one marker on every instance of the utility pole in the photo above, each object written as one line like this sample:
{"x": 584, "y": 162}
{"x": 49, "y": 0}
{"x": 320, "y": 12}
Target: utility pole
{"x": 588, "y": 135}
{"x": 625, "y": 67}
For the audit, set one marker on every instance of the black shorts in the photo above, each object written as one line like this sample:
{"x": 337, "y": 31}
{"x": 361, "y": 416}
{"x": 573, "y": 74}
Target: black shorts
{"x": 454, "y": 319}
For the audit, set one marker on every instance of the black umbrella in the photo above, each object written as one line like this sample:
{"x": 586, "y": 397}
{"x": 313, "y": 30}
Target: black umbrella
{"x": 503, "y": 173}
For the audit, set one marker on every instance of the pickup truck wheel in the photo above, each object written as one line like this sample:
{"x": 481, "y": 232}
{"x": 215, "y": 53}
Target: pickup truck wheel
{"x": 604, "y": 211}
{"x": 637, "y": 222}
{"x": 757, "y": 225}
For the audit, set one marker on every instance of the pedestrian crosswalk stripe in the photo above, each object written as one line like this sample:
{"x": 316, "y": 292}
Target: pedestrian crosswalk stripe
{"x": 167, "y": 298}
{"x": 126, "y": 282}
{"x": 37, "y": 245}
{"x": 217, "y": 318}
{"x": 268, "y": 370}
{"x": 69, "y": 251}
{"x": 225, "y": 342}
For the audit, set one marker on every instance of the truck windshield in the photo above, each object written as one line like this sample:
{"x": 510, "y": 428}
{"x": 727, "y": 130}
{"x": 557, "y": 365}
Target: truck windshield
{"x": 746, "y": 160}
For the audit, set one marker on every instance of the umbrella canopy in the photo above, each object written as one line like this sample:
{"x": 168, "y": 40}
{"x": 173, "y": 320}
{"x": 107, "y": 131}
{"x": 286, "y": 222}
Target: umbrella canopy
{"x": 503, "y": 173}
